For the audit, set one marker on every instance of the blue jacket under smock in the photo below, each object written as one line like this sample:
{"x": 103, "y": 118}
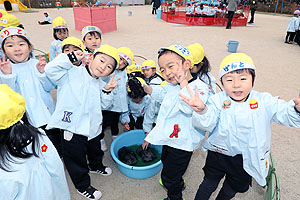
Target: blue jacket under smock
{"x": 120, "y": 93}
{"x": 150, "y": 116}
{"x": 79, "y": 98}
{"x": 174, "y": 112}
{"x": 55, "y": 49}
{"x": 35, "y": 178}
{"x": 35, "y": 87}
{"x": 245, "y": 128}
{"x": 136, "y": 109}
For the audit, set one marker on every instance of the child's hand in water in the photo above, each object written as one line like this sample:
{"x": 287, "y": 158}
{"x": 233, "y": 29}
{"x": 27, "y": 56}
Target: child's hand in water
{"x": 126, "y": 127}
{"x": 5, "y": 66}
{"x": 111, "y": 84}
{"x": 41, "y": 64}
{"x": 194, "y": 100}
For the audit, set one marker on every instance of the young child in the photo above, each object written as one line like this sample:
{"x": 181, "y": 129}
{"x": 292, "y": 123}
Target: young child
{"x": 47, "y": 19}
{"x": 60, "y": 32}
{"x": 91, "y": 38}
{"x": 112, "y": 114}
{"x": 174, "y": 128}
{"x": 291, "y": 29}
{"x": 202, "y": 67}
{"x": 80, "y": 96}
{"x": 138, "y": 103}
{"x": 25, "y": 75}
{"x": 30, "y": 167}
{"x": 150, "y": 74}
{"x": 239, "y": 121}
{"x": 10, "y": 20}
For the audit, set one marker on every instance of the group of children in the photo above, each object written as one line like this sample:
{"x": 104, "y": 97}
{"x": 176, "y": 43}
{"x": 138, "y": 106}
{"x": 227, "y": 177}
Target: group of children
{"x": 198, "y": 9}
{"x": 99, "y": 85}
{"x": 293, "y": 29}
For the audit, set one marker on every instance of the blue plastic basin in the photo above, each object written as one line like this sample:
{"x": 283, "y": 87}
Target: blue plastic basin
{"x": 131, "y": 138}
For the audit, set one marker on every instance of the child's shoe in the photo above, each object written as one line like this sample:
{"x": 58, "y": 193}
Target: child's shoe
{"x": 183, "y": 188}
{"x": 103, "y": 145}
{"x": 90, "y": 193}
{"x": 106, "y": 171}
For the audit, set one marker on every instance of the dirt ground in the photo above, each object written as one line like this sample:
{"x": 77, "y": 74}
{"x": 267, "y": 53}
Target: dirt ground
{"x": 277, "y": 66}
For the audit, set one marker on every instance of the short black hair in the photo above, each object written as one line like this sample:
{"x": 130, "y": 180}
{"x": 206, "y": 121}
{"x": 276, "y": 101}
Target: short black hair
{"x": 136, "y": 89}
{"x": 239, "y": 71}
{"x": 93, "y": 33}
{"x": 58, "y": 30}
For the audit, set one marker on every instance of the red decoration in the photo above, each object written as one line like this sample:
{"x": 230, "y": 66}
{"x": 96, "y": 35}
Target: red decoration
{"x": 175, "y": 131}
{"x": 44, "y": 148}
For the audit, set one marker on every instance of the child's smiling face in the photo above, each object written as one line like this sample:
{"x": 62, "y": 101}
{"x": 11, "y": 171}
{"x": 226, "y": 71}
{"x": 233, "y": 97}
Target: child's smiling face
{"x": 237, "y": 85}
{"x": 102, "y": 65}
{"x": 16, "y": 49}
{"x": 169, "y": 64}
{"x": 149, "y": 72}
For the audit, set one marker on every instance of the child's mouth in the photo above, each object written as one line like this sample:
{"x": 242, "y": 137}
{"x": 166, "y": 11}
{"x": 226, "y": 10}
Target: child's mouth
{"x": 238, "y": 93}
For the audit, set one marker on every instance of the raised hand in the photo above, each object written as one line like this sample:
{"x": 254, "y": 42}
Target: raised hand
{"x": 5, "y": 66}
{"x": 111, "y": 84}
{"x": 79, "y": 54}
{"x": 194, "y": 100}
{"x": 41, "y": 64}
{"x": 88, "y": 58}
{"x": 147, "y": 89}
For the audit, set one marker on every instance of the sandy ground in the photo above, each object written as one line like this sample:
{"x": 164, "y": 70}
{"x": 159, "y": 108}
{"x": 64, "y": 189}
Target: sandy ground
{"x": 278, "y": 66}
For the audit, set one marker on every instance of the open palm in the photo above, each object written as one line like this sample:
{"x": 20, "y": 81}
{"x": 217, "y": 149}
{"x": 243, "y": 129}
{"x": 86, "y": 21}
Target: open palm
{"x": 194, "y": 100}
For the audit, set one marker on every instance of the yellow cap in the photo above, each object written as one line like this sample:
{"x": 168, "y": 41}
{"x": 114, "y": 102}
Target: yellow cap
{"x": 133, "y": 68}
{"x": 12, "y": 107}
{"x": 234, "y": 62}
{"x": 197, "y": 52}
{"x": 73, "y": 41}
{"x": 59, "y": 23}
{"x": 178, "y": 49}
{"x": 110, "y": 51}
{"x": 127, "y": 54}
{"x": 148, "y": 64}
{"x": 7, "y": 32}
{"x": 9, "y": 20}
{"x": 3, "y": 12}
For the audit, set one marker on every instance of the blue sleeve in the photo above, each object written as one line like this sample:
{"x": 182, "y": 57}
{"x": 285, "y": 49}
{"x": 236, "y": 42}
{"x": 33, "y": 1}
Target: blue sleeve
{"x": 9, "y": 79}
{"x": 52, "y": 53}
{"x": 149, "y": 117}
{"x": 57, "y": 69}
{"x": 106, "y": 100}
{"x": 11, "y": 189}
{"x": 125, "y": 115}
{"x": 158, "y": 93}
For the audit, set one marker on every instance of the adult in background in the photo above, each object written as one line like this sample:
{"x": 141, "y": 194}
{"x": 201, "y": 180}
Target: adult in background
{"x": 253, "y": 7}
{"x": 155, "y": 6}
{"x": 231, "y": 8}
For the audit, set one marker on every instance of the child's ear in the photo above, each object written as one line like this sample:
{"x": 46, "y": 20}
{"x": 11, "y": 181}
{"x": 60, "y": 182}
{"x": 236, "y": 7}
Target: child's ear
{"x": 187, "y": 64}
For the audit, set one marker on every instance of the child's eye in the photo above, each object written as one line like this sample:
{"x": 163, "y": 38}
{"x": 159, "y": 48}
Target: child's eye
{"x": 228, "y": 80}
{"x": 243, "y": 79}
{"x": 109, "y": 67}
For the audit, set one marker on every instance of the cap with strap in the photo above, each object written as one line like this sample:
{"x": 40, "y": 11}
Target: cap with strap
{"x": 148, "y": 64}
{"x": 88, "y": 29}
{"x": 7, "y": 32}
{"x": 59, "y": 23}
{"x": 73, "y": 41}
{"x": 110, "y": 51}
{"x": 127, "y": 54}
{"x": 12, "y": 107}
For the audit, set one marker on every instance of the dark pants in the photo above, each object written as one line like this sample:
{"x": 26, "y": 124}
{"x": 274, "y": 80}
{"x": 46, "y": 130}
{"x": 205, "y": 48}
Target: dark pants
{"x": 290, "y": 36}
{"x": 55, "y": 137}
{"x": 252, "y": 15}
{"x": 75, "y": 155}
{"x": 138, "y": 123}
{"x": 297, "y": 37}
{"x": 44, "y": 22}
{"x": 230, "y": 17}
{"x": 175, "y": 162}
{"x": 216, "y": 167}
{"x": 154, "y": 11}
{"x": 111, "y": 119}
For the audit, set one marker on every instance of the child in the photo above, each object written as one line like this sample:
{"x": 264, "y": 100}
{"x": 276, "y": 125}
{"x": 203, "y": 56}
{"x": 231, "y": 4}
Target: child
{"x": 30, "y": 167}
{"x": 138, "y": 103}
{"x": 47, "y": 19}
{"x": 291, "y": 29}
{"x": 112, "y": 114}
{"x": 25, "y": 75}
{"x": 239, "y": 121}
{"x": 297, "y": 35}
{"x": 202, "y": 67}
{"x": 60, "y": 32}
{"x": 10, "y": 20}
{"x": 91, "y": 38}
{"x": 80, "y": 96}
{"x": 149, "y": 71}
{"x": 174, "y": 128}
